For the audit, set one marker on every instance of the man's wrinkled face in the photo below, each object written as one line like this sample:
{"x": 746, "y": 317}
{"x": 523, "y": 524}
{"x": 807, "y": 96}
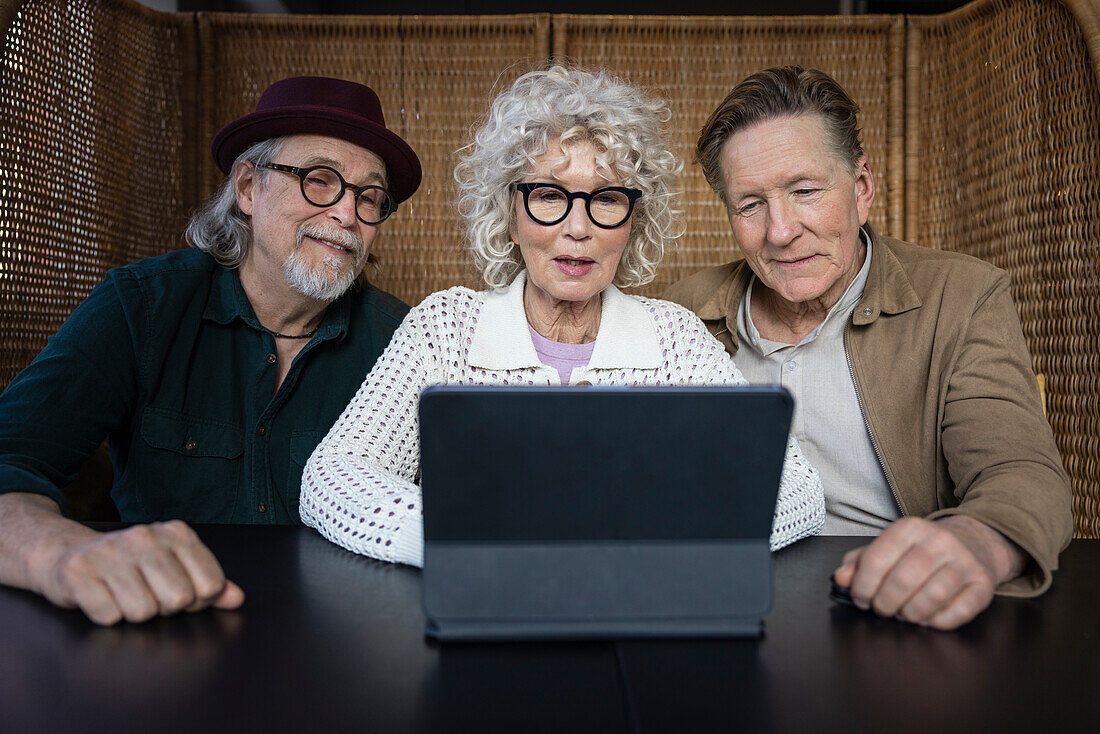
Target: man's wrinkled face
{"x": 317, "y": 251}
{"x": 796, "y": 209}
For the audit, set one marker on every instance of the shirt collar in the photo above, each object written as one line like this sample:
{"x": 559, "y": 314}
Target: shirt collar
{"x": 228, "y": 301}
{"x": 501, "y": 340}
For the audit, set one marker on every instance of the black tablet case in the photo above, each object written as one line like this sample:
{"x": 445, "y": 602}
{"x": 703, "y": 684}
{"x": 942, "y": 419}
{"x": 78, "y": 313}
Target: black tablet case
{"x": 599, "y": 512}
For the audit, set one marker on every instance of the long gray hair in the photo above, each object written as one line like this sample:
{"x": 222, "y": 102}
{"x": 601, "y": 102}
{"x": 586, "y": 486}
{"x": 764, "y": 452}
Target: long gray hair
{"x": 220, "y": 228}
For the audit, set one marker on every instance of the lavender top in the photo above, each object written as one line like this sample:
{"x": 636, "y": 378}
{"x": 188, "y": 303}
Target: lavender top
{"x": 562, "y": 357}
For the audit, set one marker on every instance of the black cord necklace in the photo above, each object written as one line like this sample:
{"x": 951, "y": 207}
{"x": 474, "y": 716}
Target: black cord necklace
{"x": 307, "y": 335}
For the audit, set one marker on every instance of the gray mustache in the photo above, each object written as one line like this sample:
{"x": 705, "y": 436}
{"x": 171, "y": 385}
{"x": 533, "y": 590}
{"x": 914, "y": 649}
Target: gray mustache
{"x": 341, "y": 237}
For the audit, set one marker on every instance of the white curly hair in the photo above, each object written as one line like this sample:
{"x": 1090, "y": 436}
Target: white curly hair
{"x": 623, "y": 123}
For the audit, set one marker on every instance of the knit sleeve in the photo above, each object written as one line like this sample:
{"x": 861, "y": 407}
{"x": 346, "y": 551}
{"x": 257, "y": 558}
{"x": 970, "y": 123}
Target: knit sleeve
{"x": 359, "y": 486}
{"x": 800, "y": 505}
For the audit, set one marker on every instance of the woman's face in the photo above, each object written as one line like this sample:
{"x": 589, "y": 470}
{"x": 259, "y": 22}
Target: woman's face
{"x": 573, "y": 260}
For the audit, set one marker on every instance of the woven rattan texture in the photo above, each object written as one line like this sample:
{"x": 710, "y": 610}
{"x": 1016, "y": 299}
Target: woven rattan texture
{"x": 694, "y": 62}
{"x": 981, "y": 127}
{"x": 1009, "y": 152}
{"x": 90, "y": 153}
{"x": 435, "y": 76}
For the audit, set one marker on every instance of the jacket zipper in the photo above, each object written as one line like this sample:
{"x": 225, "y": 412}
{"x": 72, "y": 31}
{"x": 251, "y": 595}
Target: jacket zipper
{"x": 867, "y": 423}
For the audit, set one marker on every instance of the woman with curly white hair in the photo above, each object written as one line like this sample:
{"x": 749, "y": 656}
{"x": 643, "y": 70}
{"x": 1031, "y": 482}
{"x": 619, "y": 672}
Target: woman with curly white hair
{"x": 567, "y": 194}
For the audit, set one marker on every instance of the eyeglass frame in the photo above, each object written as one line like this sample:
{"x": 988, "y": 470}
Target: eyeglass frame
{"x": 632, "y": 196}
{"x": 301, "y": 173}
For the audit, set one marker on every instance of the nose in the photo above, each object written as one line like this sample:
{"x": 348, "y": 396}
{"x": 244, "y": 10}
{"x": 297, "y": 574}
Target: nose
{"x": 783, "y": 225}
{"x": 577, "y": 224}
{"x": 343, "y": 209}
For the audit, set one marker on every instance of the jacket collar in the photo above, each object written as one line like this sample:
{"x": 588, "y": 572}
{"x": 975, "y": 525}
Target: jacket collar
{"x": 889, "y": 289}
{"x": 502, "y": 341}
{"x": 727, "y": 294}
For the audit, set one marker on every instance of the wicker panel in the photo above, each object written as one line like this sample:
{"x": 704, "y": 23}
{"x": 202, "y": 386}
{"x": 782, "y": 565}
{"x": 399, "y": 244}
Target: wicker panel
{"x": 693, "y": 62}
{"x": 981, "y": 125}
{"x": 90, "y": 153}
{"x": 1009, "y": 171}
{"x": 434, "y": 77}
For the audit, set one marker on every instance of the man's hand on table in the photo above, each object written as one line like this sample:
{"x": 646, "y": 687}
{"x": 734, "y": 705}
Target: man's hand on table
{"x": 132, "y": 574}
{"x": 936, "y": 573}
{"x": 135, "y": 574}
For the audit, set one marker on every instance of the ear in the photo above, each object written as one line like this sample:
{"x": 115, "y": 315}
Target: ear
{"x": 865, "y": 189}
{"x": 244, "y": 183}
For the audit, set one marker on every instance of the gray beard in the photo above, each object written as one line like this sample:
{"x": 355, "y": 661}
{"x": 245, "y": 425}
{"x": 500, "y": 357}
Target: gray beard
{"x": 326, "y": 281}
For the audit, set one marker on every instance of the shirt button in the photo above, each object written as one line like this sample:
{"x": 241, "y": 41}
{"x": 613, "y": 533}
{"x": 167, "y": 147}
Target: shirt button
{"x": 272, "y": 359}
{"x": 189, "y": 445}
{"x": 867, "y": 312}
{"x": 791, "y": 366}
{"x": 263, "y": 431}
{"x": 262, "y": 507}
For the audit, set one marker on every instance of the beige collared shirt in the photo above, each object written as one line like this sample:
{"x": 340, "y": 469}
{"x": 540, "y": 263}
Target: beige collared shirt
{"x": 828, "y": 421}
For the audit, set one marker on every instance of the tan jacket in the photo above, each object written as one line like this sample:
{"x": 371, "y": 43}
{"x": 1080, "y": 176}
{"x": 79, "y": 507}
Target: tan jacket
{"x": 947, "y": 390}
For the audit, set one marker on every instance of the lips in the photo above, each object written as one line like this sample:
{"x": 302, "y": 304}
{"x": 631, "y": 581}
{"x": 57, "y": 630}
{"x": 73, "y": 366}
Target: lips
{"x": 575, "y": 266}
{"x": 796, "y": 261}
{"x": 331, "y": 244}
{"x": 333, "y": 239}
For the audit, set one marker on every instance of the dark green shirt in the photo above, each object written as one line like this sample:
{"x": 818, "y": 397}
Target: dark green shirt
{"x": 167, "y": 359}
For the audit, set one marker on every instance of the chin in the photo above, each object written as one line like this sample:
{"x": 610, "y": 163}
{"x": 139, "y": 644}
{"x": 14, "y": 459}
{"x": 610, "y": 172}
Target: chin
{"x": 575, "y": 295}
{"x": 322, "y": 283}
{"x": 797, "y": 290}
{"x": 802, "y": 297}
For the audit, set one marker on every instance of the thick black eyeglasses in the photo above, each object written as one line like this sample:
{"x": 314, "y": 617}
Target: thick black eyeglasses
{"x": 323, "y": 186}
{"x": 548, "y": 203}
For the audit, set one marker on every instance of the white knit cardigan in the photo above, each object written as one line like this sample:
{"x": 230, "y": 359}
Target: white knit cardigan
{"x": 358, "y": 488}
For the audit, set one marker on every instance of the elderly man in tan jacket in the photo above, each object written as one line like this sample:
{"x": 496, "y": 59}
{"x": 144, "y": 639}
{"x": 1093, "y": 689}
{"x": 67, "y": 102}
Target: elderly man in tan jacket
{"x": 914, "y": 389}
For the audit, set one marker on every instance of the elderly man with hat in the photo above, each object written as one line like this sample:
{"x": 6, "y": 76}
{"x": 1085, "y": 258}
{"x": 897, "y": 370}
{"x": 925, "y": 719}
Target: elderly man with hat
{"x": 213, "y": 371}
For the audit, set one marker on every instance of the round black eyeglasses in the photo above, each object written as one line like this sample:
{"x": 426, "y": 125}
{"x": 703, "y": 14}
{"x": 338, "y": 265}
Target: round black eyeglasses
{"x": 322, "y": 186}
{"x": 548, "y": 203}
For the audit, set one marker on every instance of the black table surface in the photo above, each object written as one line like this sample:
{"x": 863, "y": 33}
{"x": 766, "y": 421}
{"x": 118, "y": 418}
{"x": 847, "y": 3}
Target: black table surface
{"x": 332, "y": 641}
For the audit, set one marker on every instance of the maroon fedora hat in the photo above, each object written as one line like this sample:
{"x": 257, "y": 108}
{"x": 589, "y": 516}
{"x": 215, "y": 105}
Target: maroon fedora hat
{"x": 322, "y": 106}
